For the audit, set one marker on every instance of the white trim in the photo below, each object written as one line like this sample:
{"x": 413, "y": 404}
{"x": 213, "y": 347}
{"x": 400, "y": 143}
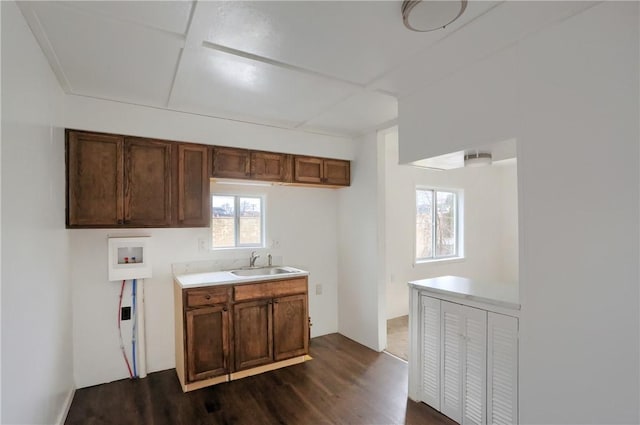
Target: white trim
{"x": 62, "y": 417}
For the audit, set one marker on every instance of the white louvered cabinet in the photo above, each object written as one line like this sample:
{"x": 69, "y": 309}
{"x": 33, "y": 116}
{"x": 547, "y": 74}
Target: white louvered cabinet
{"x": 502, "y": 369}
{"x": 430, "y": 351}
{"x": 463, "y": 360}
{"x": 464, "y": 350}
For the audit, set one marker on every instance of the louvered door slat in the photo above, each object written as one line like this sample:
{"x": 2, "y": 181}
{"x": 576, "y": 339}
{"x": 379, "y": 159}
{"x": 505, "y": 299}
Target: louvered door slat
{"x": 502, "y": 369}
{"x": 430, "y": 364}
{"x": 450, "y": 399}
{"x": 474, "y": 379}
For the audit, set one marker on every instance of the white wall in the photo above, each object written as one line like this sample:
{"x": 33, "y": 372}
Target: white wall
{"x": 361, "y": 314}
{"x": 303, "y": 220}
{"x": 576, "y": 120}
{"x": 489, "y": 209}
{"x": 37, "y": 356}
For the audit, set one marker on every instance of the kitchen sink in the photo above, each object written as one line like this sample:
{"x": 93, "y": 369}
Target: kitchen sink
{"x": 261, "y": 271}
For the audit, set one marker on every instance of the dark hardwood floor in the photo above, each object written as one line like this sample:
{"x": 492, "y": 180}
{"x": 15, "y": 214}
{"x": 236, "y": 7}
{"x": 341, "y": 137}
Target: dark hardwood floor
{"x": 345, "y": 383}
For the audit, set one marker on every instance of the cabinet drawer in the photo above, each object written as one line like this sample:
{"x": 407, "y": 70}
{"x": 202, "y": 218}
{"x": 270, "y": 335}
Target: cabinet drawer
{"x": 271, "y": 289}
{"x": 206, "y": 296}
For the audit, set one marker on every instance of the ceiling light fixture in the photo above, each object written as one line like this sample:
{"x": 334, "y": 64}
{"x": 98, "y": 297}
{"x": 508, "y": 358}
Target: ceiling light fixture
{"x": 478, "y": 159}
{"x": 430, "y": 15}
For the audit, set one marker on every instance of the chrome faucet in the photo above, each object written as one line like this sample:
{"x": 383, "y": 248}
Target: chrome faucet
{"x": 252, "y": 260}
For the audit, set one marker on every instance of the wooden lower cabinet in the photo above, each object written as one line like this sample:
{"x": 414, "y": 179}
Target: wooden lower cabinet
{"x": 290, "y": 327}
{"x": 231, "y": 331}
{"x": 207, "y": 342}
{"x": 253, "y": 324}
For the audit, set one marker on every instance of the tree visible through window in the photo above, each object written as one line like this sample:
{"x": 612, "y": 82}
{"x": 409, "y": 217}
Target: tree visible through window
{"x": 236, "y": 221}
{"x": 436, "y": 224}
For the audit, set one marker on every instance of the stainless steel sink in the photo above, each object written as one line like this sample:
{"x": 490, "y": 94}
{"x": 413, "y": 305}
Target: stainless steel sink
{"x": 261, "y": 271}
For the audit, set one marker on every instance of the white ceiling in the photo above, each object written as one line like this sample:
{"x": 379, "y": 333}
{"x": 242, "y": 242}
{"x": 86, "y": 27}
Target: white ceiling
{"x": 331, "y": 67}
{"x": 311, "y": 65}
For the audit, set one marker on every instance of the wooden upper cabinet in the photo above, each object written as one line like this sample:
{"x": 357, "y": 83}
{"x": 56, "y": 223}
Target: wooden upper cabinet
{"x": 270, "y": 166}
{"x": 207, "y": 342}
{"x": 290, "y": 327}
{"x": 147, "y": 182}
{"x": 94, "y": 179}
{"x": 337, "y": 172}
{"x": 307, "y": 170}
{"x": 321, "y": 171}
{"x": 231, "y": 163}
{"x": 193, "y": 185}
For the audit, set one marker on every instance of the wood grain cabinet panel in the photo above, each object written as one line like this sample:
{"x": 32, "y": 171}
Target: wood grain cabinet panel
{"x": 95, "y": 173}
{"x": 270, "y": 166}
{"x": 193, "y": 185}
{"x": 307, "y": 170}
{"x": 147, "y": 183}
{"x": 207, "y": 342}
{"x": 321, "y": 171}
{"x": 290, "y": 327}
{"x": 253, "y": 333}
{"x": 336, "y": 172}
{"x": 231, "y": 163}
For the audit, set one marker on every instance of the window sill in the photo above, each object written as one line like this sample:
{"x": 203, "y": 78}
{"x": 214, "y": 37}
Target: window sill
{"x": 439, "y": 261}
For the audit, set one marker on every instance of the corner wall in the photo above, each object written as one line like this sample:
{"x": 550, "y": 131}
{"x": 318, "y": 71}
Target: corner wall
{"x": 361, "y": 312}
{"x": 37, "y": 355}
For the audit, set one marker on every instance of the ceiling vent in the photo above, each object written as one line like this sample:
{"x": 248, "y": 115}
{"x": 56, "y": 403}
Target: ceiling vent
{"x": 430, "y": 15}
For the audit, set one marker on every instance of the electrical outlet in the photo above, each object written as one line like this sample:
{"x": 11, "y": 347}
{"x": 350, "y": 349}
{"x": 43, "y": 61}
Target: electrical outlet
{"x": 202, "y": 244}
{"x": 318, "y": 289}
{"x": 125, "y": 313}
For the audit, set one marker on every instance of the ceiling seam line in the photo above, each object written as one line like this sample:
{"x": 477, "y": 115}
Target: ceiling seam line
{"x": 279, "y": 64}
{"x": 41, "y": 35}
{"x": 181, "y": 54}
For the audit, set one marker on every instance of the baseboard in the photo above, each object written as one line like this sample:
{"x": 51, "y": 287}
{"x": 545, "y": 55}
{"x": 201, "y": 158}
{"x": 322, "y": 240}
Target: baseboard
{"x": 65, "y": 408}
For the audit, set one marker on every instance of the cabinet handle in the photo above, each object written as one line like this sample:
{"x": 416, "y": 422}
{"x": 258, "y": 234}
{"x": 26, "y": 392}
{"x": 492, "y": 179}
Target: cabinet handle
{"x": 275, "y": 301}
{"x": 225, "y": 309}
{"x": 207, "y": 297}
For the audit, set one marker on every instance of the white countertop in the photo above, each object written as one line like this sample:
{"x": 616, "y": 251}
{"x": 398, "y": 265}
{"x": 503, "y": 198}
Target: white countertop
{"x": 192, "y": 280}
{"x": 501, "y": 295}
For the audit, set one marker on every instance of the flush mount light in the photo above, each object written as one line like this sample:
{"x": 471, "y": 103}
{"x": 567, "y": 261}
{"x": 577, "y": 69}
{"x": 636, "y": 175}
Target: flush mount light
{"x": 430, "y": 15}
{"x": 477, "y": 159}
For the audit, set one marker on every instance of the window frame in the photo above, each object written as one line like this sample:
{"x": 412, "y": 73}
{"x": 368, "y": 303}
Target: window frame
{"x": 458, "y": 225}
{"x": 236, "y": 219}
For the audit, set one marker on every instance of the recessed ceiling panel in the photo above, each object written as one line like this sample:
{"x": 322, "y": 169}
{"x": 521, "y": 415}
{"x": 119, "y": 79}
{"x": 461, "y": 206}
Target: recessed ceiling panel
{"x": 172, "y": 16}
{"x": 108, "y": 58}
{"x": 361, "y": 112}
{"x": 216, "y": 81}
{"x": 353, "y": 40}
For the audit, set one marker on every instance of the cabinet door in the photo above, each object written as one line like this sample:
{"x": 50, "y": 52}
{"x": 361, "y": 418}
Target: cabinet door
{"x": 337, "y": 172}
{"x": 430, "y": 351}
{"x": 451, "y": 361}
{"x": 307, "y": 170}
{"x": 147, "y": 187}
{"x": 207, "y": 342}
{"x": 474, "y": 376}
{"x": 193, "y": 186}
{"x": 231, "y": 163}
{"x": 502, "y": 370}
{"x": 94, "y": 179}
{"x": 463, "y": 370}
{"x": 269, "y": 166}
{"x": 290, "y": 327}
{"x": 253, "y": 334}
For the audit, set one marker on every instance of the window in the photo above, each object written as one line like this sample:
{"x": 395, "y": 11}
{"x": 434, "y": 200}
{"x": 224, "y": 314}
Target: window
{"x": 237, "y": 221}
{"x": 437, "y": 229}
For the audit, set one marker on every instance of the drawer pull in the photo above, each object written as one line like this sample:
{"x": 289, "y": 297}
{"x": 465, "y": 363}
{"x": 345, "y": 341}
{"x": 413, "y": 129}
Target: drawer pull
{"x": 207, "y": 297}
